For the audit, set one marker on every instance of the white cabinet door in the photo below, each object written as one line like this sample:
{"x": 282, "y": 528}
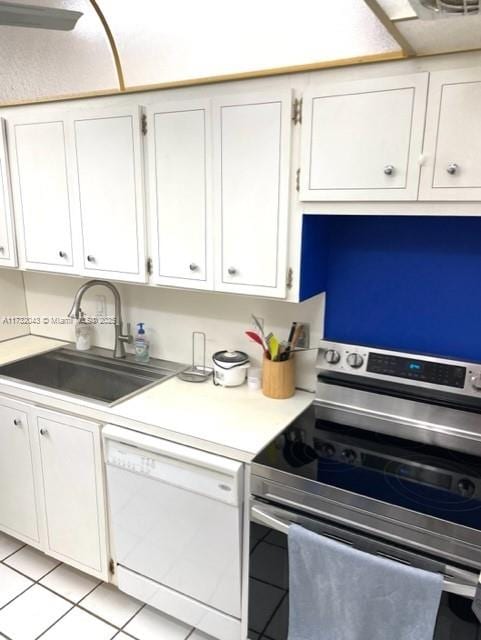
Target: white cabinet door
{"x": 452, "y": 168}
{"x": 108, "y": 165}
{"x": 74, "y": 500}
{"x": 18, "y": 509}
{"x": 8, "y": 256}
{"x": 180, "y": 147}
{"x": 39, "y": 165}
{"x": 252, "y": 136}
{"x": 363, "y": 140}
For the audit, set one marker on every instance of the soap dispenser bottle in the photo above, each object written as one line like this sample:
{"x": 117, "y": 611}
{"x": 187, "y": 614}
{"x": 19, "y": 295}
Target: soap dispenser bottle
{"x": 141, "y": 344}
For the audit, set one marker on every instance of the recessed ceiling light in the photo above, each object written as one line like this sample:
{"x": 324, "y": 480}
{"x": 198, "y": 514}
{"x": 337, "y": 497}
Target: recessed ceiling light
{"x": 27, "y": 15}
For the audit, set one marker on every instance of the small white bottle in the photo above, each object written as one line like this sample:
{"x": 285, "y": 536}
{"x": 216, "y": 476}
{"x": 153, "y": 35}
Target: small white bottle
{"x": 142, "y": 346}
{"x": 83, "y": 333}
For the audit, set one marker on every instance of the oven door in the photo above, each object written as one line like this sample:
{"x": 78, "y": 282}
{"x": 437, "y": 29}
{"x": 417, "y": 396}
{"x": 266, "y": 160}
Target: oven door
{"x": 269, "y": 573}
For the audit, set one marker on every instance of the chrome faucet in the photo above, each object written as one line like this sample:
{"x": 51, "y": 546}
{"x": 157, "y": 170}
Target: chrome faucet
{"x": 120, "y": 338}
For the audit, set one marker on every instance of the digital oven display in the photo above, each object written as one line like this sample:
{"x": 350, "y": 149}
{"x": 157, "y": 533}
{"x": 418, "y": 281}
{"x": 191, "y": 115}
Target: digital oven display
{"x": 423, "y": 370}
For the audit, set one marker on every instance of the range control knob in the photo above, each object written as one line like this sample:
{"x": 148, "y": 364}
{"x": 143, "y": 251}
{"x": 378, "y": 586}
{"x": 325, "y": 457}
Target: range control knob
{"x": 466, "y": 487}
{"x": 349, "y": 455}
{"x": 332, "y": 356}
{"x": 327, "y": 450}
{"x": 476, "y": 382}
{"x": 355, "y": 360}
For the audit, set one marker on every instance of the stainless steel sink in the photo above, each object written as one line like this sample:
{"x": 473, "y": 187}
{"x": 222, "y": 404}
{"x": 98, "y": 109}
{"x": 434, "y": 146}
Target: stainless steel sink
{"x": 94, "y": 374}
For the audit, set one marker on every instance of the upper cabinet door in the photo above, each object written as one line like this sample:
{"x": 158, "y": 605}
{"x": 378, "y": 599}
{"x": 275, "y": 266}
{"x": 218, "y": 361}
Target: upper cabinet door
{"x": 39, "y": 166}
{"x": 452, "y": 168}
{"x": 363, "y": 140}
{"x": 180, "y": 147}
{"x": 108, "y": 165}
{"x": 252, "y": 136}
{"x": 8, "y": 256}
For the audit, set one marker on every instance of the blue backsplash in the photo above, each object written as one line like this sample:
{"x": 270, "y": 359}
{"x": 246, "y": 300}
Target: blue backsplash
{"x": 408, "y": 283}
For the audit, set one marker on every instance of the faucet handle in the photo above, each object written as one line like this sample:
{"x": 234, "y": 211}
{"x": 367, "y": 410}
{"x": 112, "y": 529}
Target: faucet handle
{"x": 127, "y": 337}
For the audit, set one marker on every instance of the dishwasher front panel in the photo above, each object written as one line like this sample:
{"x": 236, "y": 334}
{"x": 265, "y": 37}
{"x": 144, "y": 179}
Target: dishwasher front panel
{"x": 173, "y": 531}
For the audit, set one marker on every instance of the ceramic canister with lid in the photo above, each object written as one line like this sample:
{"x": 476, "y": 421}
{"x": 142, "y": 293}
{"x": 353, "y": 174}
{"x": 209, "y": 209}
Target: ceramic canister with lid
{"x": 230, "y": 368}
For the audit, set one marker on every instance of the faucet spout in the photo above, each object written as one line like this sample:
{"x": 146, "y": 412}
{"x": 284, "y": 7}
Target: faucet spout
{"x": 120, "y": 337}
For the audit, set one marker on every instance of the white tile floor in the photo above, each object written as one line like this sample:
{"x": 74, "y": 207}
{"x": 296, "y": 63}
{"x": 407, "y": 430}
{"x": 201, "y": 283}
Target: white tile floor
{"x": 43, "y": 598}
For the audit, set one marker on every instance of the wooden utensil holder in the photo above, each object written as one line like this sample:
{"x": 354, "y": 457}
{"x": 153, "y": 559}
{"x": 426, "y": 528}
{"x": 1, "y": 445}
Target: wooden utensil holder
{"x": 278, "y": 378}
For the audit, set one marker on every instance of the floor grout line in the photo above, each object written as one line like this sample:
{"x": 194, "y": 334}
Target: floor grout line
{"x": 73, "y": 604}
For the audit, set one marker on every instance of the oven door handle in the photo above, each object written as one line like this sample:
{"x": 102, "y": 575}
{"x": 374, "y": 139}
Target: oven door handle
{"x": 451, "y": 585}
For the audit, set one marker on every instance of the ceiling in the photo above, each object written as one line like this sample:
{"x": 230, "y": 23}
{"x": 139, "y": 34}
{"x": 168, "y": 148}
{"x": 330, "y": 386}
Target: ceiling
{"x": 155, "y": 43}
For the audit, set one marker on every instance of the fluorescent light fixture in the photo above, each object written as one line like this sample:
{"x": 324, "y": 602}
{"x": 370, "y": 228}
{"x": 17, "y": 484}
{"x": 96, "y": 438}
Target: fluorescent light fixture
{"x": 445, "y": 8}
{"x": 28, "y": 15}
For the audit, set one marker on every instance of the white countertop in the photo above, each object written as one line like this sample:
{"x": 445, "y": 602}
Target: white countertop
{"x": 235, "y": 422}
{"x": 26, "y": 346}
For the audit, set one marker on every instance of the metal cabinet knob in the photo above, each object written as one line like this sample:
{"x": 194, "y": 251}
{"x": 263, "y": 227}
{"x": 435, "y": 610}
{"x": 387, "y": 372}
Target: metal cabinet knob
{"x": 17, "y": 422}
{"x": 43, "y": 432}
{"x": 193, "y": 266}
{"x": 2, "y": 249}
{"x": 452, "y": 168}
{"x": 90, "y": 259}
{"x": 62, "y": 254}
{"x": 389, "y": 169}
{"x": 232, "y": 271}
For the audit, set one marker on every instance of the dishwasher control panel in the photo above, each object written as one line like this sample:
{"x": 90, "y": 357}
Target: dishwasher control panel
{"x": 190, "y": 475}
{"x": 129, "y": 458}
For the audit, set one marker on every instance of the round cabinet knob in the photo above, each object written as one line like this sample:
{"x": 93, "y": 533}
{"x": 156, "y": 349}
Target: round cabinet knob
{"x": 466, "y": 488}
{"x": 349, "y": 455}
{"x": 17, "y": 422}
{"x": 232, "y": 271}
{"x": 355, "y": 360}
{"x": 476, "y": 382}
{"x": 193, "y": 266}
{"x": 43, "y": 432}
{"x": 389, "y": 169}
{"x": 62, "y": 254}
{"x": 332, "y": 356}
{"x": 327, "y": 450}
{"x": 452, "y": 168}
{"x": 90, "y": 259}
{"x": 2, "y": 249}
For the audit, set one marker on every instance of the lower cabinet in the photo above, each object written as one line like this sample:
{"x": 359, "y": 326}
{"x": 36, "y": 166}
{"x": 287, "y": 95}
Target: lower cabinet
{"x": 52, "y": 486}
{"x": 18, "y": 512}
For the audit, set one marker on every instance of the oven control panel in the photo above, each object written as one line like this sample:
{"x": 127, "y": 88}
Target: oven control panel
{"x": 412, "y": 369}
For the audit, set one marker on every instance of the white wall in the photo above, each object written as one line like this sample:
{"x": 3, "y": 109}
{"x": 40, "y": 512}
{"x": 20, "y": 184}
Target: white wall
{"x": 171, "y": 316}
{"x": 12, "y": 303}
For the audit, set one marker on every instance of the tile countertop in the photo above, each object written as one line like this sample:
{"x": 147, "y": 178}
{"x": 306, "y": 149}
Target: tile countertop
{"x": 235, "y": 422}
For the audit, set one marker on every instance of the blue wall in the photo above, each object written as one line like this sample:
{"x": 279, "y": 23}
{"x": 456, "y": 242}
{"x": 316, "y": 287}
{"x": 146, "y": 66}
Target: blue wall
{"x": 408, "y": 283}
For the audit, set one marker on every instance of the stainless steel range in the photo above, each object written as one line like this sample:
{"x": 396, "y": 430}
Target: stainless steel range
{"x": 387, "y": 459}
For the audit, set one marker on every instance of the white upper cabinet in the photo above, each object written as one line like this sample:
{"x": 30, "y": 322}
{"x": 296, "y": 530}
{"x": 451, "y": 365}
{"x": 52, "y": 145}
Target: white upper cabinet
{"x": 452, "y": 168}
{"x": 42, "y": 198}
{"x": 179, "y": 150}
{"x": 252, "y": 136}
{"x": 363, "y": 140}
{"x": 109, "y": 187}
{"x": 8, "y": 256}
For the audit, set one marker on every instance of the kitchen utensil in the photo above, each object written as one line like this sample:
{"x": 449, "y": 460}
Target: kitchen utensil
{"x": 230, "y": 368}
{"x": 255, "y": 338}
{"x": 260, "y": 329}
{"x": 197, "y": 372}
{"x": 274, "y": 345}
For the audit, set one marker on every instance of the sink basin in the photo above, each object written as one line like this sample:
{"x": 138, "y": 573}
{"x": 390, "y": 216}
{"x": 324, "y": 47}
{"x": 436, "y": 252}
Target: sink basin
{"x": 93, "y": 374}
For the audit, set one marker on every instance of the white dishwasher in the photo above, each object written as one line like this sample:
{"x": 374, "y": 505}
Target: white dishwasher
{"x": 176, "y": 520}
